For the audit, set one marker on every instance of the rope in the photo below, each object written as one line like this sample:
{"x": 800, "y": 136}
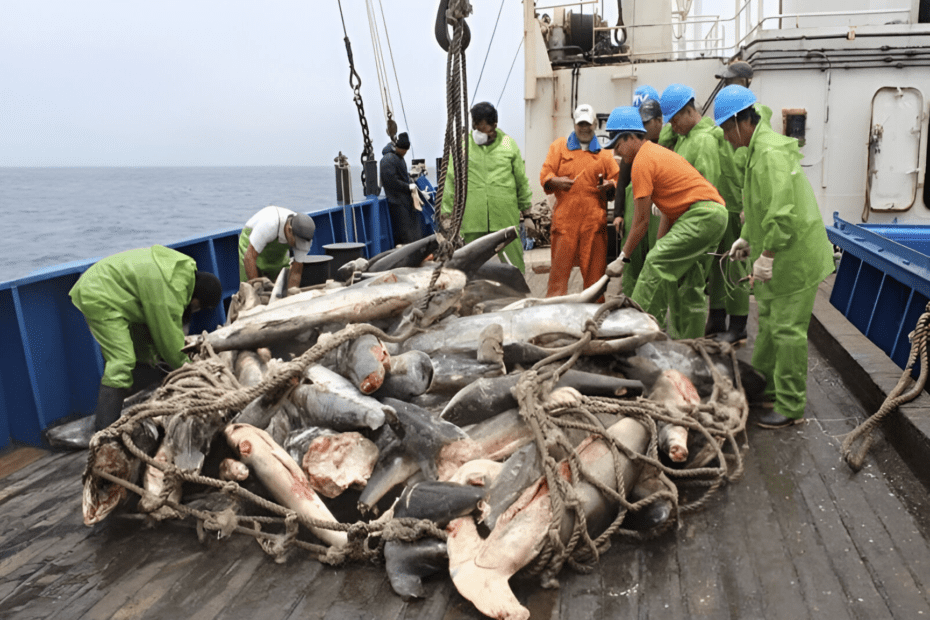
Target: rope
{"x": 455, "y": 144}
{"x": 488, "y": 51}
{"x": 507, "y": 79}
{"x": 456, "y": 138}
{"x": 207, "y": 389}
{"x": 854, "y": 454}
{"x": 355, "y": 83}
{"x": 712, "y": 420}
{"x": 384, "y": 85}
{"x": 400, "y": 95}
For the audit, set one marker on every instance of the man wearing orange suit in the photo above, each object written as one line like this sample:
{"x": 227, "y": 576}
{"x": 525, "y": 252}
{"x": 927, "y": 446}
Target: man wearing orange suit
{"x": 583, "y": 176}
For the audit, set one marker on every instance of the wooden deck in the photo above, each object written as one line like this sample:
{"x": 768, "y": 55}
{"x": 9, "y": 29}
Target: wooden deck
{"x": 800, "y": 536}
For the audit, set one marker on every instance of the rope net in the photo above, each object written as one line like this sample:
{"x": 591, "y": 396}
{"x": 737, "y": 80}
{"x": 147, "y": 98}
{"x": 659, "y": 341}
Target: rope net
{"x": 206, "y": 391}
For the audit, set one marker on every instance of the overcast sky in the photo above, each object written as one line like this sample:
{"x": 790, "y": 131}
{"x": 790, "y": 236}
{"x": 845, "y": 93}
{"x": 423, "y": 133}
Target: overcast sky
{"x": 209, "y": 83}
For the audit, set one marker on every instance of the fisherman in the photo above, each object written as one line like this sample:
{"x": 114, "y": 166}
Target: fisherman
{"x": 785, "y": 237}
{"x": 269, "y": 239}
{"x": 737, "y": 72}
{"x": 702, "y": 143}
{"x": 647, "y": 100}
{"x": 692, "y": 222}
{"x": 583, "y": 176}
{"x": 498, "y": 189}
{"x": 403, "y": 196}
{"x": 135, "y": 304}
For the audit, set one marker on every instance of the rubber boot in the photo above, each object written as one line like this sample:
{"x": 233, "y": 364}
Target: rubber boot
{"x": 109, "y": 406}
{"x": 716, "y": 321}
{"x": 736, "y": 333}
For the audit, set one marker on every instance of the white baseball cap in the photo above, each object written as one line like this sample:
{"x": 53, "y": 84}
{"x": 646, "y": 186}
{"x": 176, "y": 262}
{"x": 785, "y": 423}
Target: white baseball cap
{"x": 584, "y": 114}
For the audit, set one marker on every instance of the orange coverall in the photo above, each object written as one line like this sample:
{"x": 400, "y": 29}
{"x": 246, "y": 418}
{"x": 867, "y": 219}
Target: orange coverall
{"x": 579, "y": 222}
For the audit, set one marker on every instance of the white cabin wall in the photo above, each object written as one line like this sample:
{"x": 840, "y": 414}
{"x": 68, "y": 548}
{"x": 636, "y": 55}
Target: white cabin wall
{"x": 836, "y": 153}
{"x": 549, "y": 115}
{"x": 846, "y": 10}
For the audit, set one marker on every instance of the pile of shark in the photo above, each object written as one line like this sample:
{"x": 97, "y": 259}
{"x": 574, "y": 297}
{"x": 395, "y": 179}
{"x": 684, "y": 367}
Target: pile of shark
{"x": 423, "y": 415}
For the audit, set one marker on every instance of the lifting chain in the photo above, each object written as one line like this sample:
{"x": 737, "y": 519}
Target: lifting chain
{"x": 355, "y": 82}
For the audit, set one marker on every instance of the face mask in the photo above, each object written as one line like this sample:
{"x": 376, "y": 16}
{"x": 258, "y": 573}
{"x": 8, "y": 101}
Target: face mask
{"x": 480, "y": 137}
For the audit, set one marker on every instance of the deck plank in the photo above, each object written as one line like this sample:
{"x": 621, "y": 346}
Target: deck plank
{"x": 882, "y": 538}
{"x": 800, "y": 536}
{"x": 17, "y": 458}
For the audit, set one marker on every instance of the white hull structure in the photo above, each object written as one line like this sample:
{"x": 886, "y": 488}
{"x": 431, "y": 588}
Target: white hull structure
{"x": 849, "y": 78}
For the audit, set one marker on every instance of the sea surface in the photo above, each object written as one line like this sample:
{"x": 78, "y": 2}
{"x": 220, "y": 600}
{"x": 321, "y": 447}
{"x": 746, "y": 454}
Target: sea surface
{"x": 51, "y": 216}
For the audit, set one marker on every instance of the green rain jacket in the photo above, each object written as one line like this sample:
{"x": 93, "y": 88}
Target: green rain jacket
{"x": 498, "y": 189}
{"x": 707, "y": 150}
{"x": 782, "y": 214}
{"x": 731, "y": 180}
{"x": 149, "y": 286}
{"x": 667, "y": 137}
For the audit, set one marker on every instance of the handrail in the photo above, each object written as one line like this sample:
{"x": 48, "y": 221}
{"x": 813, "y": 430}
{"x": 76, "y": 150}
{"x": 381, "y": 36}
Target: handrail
{"x": 565, "y": 4}
{"x": 719, "y": 22}
{"x": 798, "y": 16}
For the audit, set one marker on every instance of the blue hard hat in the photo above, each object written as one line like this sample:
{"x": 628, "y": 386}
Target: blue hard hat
{"x": 731, "y": 100}
{"x": 642, "y": 93}
{"x": 621, "y": 120}
{"x": 674, "y": 99}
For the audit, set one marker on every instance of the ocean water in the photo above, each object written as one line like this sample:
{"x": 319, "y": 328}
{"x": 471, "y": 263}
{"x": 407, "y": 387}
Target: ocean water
{"x": 51, "y": 216}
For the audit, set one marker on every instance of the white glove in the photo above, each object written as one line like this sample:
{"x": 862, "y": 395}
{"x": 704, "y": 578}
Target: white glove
{"x": 739, "y": 250}
{"x": 415, "y": 194}
{"x": 615, "y": 269}
{"x": 655, "y": 210}
{"x": 762, "y": 268}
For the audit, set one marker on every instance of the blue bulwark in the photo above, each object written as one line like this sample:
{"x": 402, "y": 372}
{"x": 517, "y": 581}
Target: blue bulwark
{"x": 883, "y": 281}
{"x": 50, "y": 366}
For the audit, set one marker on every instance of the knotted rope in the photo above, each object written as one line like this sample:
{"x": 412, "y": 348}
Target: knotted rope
{"x": 854, "y": 454}
{"x": 580, "y": 551}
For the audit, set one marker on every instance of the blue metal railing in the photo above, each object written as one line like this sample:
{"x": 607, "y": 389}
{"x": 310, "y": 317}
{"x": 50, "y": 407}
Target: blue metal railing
{"x": 883, "y": 281}
{"x": 50, "y": 365}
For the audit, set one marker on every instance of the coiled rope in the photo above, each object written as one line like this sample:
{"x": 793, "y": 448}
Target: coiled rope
{"x": 854, "y": 454}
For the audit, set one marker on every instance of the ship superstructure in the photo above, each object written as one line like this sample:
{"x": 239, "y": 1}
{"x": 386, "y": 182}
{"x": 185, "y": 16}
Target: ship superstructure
{"x": 849, "y": 79}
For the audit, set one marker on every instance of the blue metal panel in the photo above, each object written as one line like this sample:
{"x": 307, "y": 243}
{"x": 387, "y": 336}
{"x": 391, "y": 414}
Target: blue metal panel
{"x": 900, "y": 262}
{"x": 845, "y": 282}
{"x": 50, "y": 366}
{"x": 15, "y": 400}
{"x": 913, "y": 236}
{"x": 883, "y": 282}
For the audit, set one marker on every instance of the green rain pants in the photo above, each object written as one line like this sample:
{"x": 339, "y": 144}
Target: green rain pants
{"x": 721, "y": 286}
{"x": 122, "y": 344}
{"x": 512, "y": 253}
{"x": 270, "y": 262}
{"x": 780, "y": 351}
{"x": 674, "y": 275}
{"x": 632, "y": 270}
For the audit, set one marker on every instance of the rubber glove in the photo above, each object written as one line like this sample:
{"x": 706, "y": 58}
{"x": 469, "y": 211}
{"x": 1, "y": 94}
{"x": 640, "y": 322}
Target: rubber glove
{"x": 415, "y": 194}
{"x": 615, "y": 269}
{"x": 739, "y": 250}
{"x": 762, "y": 268}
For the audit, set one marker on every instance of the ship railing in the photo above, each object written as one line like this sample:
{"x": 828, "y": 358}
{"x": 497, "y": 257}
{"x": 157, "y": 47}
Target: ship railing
{"x": 50, "y": 366}
{"x": 684, "y": 46}
{"x": 754, "y": 25}
{"x": 747, "y": 23}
